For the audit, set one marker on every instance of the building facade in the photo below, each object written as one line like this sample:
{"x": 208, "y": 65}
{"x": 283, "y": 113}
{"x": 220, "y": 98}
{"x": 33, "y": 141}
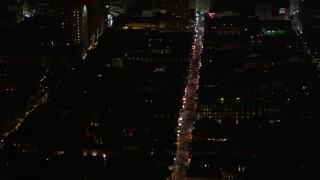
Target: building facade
{"x": 78, "y": 22}
{"x": 310, "y": 14}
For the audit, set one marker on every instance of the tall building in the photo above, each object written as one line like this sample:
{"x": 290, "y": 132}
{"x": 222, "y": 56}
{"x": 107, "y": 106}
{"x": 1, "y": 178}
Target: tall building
{"x": 310, "y": 14}
{"x": 177, "y": 9}
{"x": 78, "y": 22}
{"x": 200, "y": 5}
{"x": 178, "y": 15}
{"x": 263, "y": 11}
{"x": 309, "y": 23}
{"x": 272, "y": 10}
{"x": 71, "y": 22}
{"x": 96, "y": 25}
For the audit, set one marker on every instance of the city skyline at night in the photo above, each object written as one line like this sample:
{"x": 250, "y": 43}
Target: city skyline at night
{"x": 179, "y": 90}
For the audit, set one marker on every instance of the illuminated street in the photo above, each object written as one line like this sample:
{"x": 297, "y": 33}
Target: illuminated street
{"x": 38, "y": 99}
{"x": 41, "y": 97}
{"x": 187, "y": 114}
